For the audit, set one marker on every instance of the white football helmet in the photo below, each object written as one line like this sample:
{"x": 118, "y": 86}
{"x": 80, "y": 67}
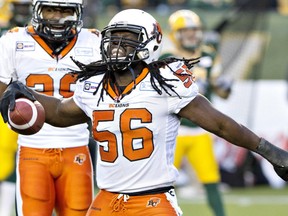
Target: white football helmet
{"x": 148, "y": 46}
{"x": 186, "y": 20}
{"x": 69, "y": 26}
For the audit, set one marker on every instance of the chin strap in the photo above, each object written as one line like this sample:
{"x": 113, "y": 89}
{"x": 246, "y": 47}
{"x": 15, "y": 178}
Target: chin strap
{"x": 58, "y": 50}
{"x": 133, "y": 75}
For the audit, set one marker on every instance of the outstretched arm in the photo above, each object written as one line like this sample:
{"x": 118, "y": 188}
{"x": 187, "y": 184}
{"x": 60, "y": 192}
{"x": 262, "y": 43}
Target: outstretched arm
{"x": 201, "y": 112}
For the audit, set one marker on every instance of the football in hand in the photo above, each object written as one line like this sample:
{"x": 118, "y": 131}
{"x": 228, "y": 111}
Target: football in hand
{"x": 27, "y": 118}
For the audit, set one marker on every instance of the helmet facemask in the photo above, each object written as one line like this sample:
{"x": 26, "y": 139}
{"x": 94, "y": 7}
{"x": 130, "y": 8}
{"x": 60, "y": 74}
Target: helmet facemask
{"x": 57, "y": 30}
{"x": 121, "y": 52}
{"x": 147, "y": 45}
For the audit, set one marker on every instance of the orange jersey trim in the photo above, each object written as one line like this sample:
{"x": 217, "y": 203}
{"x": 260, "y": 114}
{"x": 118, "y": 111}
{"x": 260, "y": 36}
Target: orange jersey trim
{"x": 115, "y": 94}
{"x": 45, "y": 46}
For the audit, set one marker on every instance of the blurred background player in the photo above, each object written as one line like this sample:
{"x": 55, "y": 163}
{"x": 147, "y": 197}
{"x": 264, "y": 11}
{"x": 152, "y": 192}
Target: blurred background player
{"x": 195, "y": 145}
{"x": 19, "y": 14}
{"x": 58, "y": 174}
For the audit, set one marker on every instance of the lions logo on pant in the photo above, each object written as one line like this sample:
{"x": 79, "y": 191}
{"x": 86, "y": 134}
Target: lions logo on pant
{"x": 153, "y": 202}
{"x": 80, "y": 158}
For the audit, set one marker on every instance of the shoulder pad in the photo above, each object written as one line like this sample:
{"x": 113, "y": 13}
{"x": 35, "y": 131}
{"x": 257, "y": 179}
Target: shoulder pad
{"x": 15, "y": 29}
{"x": 95, "y": 31}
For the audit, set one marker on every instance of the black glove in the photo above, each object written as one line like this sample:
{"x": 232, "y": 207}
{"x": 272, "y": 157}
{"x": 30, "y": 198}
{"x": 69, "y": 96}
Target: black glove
{"x": 13, "y": 91}
{"x": 276, "y": 156}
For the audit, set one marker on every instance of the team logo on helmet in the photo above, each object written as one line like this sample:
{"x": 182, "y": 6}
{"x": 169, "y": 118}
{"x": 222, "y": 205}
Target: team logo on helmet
{"x": 157, "y": 32}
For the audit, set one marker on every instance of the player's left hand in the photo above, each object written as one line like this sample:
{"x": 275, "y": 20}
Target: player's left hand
{"x": 276, "y": 156}
{"x": 282, "y": 172}
{"x": 13, "y": 91}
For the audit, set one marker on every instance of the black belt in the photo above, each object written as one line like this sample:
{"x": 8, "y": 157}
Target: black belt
{"x": 152, "y": 191}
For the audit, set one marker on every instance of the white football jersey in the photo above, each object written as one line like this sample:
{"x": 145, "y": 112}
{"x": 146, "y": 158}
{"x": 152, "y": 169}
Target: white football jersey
{"x": 27, "y": 58}
{"x": 136, "y": 132}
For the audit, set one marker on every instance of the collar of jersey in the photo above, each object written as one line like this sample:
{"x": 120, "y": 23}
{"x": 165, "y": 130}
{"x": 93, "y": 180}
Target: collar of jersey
{"x": 44, "y": 45}
{"x": 115, "y": 94}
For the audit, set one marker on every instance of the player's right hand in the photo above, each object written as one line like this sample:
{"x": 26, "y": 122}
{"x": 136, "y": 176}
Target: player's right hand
{"x": 13, "y": 91}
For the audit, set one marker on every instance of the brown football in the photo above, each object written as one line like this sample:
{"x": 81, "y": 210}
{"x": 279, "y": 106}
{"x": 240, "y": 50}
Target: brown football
{"x": 27, "y": 118}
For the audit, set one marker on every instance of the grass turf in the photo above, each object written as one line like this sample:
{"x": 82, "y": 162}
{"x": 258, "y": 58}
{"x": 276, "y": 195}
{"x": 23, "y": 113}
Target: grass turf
{"x": 254, "y": 201}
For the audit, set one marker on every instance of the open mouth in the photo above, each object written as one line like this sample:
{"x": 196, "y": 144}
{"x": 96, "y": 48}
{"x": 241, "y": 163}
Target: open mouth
{"x": 118, "y": 52}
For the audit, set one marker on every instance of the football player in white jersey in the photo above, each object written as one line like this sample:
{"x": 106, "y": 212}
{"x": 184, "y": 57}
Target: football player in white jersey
{"x": 54, "y": 165}
{"x": 20, "y": 16}
{"x": 135, "y": 102}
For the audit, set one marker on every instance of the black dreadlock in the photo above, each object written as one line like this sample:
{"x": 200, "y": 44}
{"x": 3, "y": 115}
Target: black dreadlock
{"x": 100, "y": 67}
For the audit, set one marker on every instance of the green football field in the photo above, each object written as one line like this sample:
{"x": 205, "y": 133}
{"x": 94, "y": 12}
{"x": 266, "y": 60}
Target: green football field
{"x": 255, "y": 201}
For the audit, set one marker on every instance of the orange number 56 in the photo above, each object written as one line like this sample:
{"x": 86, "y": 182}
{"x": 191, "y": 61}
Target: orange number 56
{"x": 128, "y": 135}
